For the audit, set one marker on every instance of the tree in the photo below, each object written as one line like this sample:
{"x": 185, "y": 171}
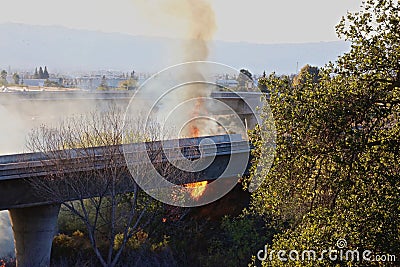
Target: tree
{"x": 3, "y": 76}
{"x": 41, "y": 74}
{"x": 305, "y": 71}
{"x": 49, "y": 83}
{"x": 103, "y": 84}
{"x": 262, "y": 84}
{"x": 112, "y": 216}
{"x": 36, "y": 74}
{"x": 45, "y": 73}
{"x": 16, "y": 78}
{"x": 336, "y": 173}
{"x": 129, "y": 84}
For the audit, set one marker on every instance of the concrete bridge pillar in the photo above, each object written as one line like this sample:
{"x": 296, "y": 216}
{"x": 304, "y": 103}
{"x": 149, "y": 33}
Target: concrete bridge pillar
{"x": 34, "y": 229}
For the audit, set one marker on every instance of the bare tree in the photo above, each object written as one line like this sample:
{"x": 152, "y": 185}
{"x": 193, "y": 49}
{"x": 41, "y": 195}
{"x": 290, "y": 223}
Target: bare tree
{"x": 87, "y": 173}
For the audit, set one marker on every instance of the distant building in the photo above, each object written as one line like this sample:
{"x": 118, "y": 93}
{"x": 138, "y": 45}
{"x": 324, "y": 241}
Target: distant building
{"x": 227, "y": 83}
{"x": 91, "y": 83}
{"x": 37, "y": 82}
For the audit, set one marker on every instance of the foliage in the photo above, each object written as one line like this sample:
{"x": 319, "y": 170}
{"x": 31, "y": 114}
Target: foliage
{"x": 103, "y": 85}
{"x": 69, "y": 223}
{"x": 226, "y": 242}
{"x": 16, "y": 78}
{"x": 336, "y": 173}
{"x": 41, "y": 74}
{"x": 66, "y": 245}
{"x": 262, "y": 84}
{"x": 49, "y": 83}
{"x": 73, "y": 248}
{"x": 238, "y": 239}
{"x": 36, "y": 74}
{"x": 3, "y": 77}
{"x": 129, "y": 84}
{"x": 110, "y": 211}
{"x": 134, "y": 242}
{"x": 307, "y": 73}
{"x": 45, "y": 73}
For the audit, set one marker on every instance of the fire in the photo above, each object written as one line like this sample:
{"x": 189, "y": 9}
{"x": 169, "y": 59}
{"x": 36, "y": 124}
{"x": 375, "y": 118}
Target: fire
{"x": 197, "y": 189}
{"x": 194, "y": 131}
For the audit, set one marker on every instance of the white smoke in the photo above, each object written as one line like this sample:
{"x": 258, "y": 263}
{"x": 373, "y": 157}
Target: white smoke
{"x": 195, "y": 21}
{"x": 17, "y": 119}
{"x": 6, "y": 236}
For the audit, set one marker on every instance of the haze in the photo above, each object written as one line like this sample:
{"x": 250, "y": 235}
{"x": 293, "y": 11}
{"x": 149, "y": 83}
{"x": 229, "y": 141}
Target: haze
{"x": 255, "y": 21}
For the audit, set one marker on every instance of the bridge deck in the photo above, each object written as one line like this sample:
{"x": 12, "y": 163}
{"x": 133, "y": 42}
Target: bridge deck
{"x": 17, "y": 171}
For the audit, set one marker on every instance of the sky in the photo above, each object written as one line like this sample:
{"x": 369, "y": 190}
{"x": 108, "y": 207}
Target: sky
{"x": 256, "y": 21}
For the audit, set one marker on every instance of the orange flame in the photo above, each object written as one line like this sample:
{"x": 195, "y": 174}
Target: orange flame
{"x": 194, "y": 131}
{"x": 197, "y": 189}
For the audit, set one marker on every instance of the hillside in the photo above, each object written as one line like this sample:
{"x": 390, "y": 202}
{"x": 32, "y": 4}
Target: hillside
{"x": 63, "y": 49}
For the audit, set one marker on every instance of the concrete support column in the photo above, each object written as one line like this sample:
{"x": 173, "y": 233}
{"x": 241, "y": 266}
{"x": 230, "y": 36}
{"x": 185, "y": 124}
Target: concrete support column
{"x": 34, "y": 229}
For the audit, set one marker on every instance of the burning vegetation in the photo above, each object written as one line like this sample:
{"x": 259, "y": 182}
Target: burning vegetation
{"x": 197, "y": 189}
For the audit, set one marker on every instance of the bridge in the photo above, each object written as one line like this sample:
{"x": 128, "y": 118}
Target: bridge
{"x": 34, "y": 217}
{"x": 37, "y": 104}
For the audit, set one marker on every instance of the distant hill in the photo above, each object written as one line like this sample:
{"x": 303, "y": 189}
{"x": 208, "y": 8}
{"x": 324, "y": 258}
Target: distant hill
{"x": 63, "y": 49}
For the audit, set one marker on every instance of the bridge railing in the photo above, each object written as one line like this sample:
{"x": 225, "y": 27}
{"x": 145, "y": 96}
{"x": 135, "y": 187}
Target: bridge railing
{"x": 79, "y": 159}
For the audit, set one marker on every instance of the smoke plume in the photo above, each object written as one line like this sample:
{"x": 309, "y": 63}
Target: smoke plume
{"x": 199, "y": 18}
{"x": 194, "y": 20}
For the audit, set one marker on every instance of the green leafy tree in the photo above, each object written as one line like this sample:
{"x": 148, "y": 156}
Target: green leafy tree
{"x": 36, "y": 74}
{"x": 305, "y": 71}
{"x": 129, "y": 84}
{"x": 103, "y": 85}
{"x": 336, "y": 173}
{"x": 49, "y": 83}
{"x": 262, "y": 83}
{"x": 45, "y": 73}
{"x": 16, "y": 78}
{"x": 3, "y": 76}
{"x": 41, "y": 73}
